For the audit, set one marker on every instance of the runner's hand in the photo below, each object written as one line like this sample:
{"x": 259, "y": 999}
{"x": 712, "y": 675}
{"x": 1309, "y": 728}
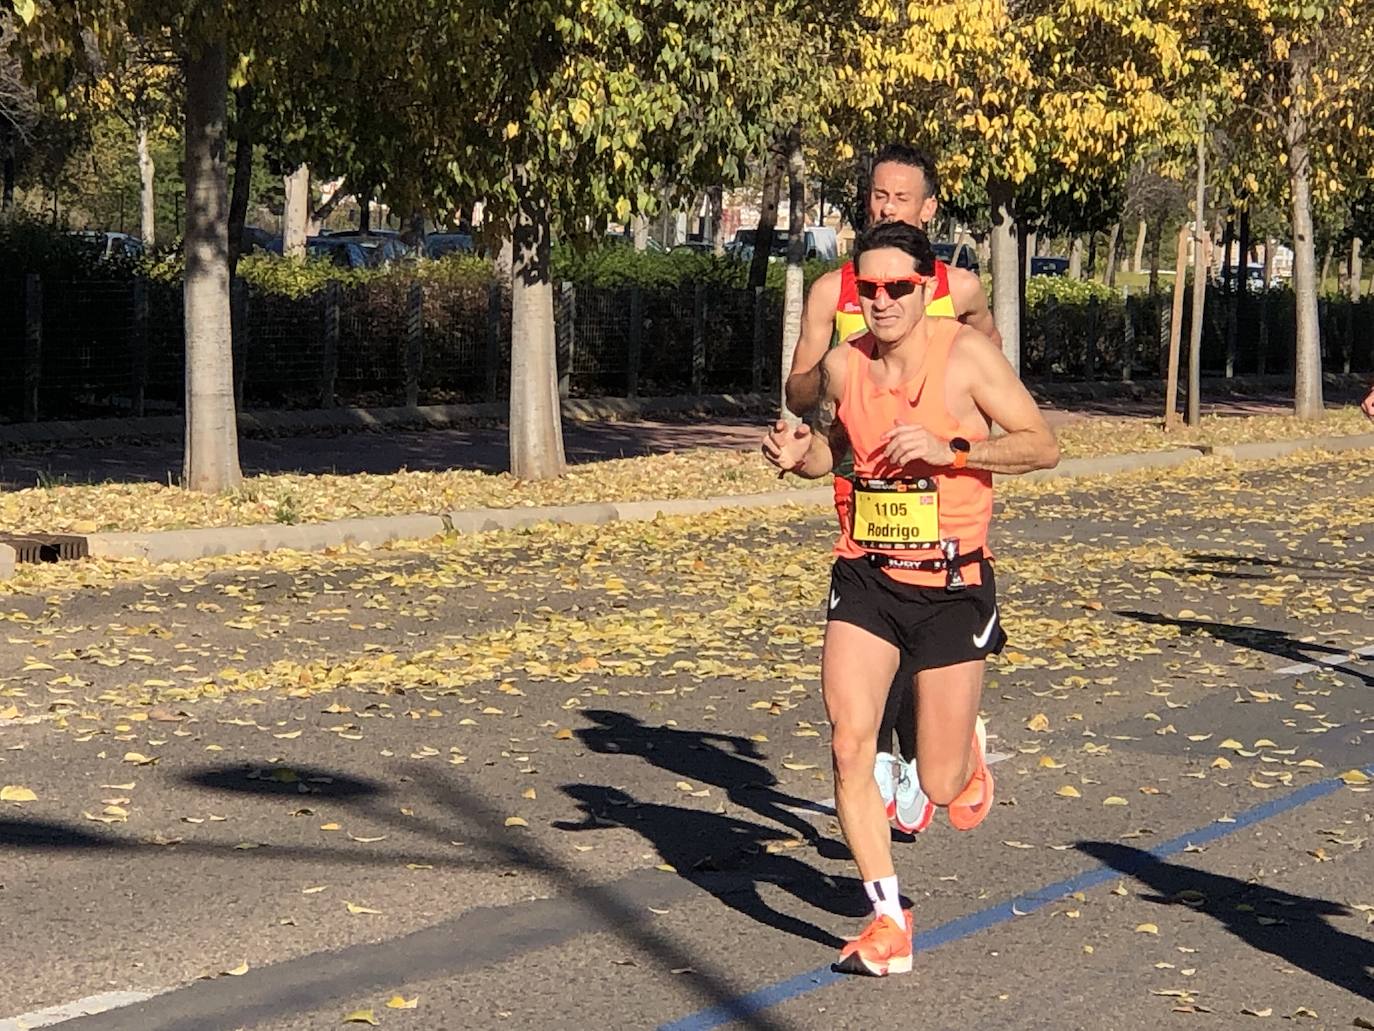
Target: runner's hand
{"x": 786, "y": 446}
{"x": 1368, "y": 406}
{"x": 904, "y": 444}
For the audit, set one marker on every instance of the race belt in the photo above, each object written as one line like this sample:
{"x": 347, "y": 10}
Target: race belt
{"x": 893, "y": 516}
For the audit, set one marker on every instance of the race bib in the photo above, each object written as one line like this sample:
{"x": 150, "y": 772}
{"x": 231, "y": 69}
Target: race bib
{"x": 892, "y": 514}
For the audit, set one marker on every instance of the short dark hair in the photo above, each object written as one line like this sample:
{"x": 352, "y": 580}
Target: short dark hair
{"x": 905, "y": 154}
{"x": 903, "y": 237}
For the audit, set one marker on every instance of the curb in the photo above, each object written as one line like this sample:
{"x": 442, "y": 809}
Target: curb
{"x": 187, "y": 545}
{"x": 1281, "y": 448}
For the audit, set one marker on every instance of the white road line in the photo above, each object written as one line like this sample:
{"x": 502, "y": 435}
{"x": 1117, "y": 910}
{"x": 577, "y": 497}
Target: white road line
{"x": 1312, "y": 667}
{"x": 102, "y": 1003}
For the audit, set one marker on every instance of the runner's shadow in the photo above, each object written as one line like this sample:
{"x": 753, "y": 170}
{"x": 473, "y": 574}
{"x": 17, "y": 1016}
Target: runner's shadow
{"x": 1293, "y": 927}
{"x": 1275, "y": 642}
{"x": 726, "y": 856}
{"x": 733, "y": 764}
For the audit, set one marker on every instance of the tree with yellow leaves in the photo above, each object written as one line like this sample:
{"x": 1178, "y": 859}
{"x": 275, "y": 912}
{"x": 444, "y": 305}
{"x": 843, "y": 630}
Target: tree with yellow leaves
{"x": 1297, "y": 83}
{"x": 1047, "y": 97}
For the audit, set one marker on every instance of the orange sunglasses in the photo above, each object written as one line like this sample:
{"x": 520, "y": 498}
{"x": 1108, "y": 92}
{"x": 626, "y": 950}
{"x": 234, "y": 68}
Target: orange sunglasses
{"x": 869, "y": 288}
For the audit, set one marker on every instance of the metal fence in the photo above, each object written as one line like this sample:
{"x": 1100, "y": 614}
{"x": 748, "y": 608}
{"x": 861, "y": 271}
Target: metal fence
{"x": 99, "y": 348}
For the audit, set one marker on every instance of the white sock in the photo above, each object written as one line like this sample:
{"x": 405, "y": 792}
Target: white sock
{"x": 886, "y": 899}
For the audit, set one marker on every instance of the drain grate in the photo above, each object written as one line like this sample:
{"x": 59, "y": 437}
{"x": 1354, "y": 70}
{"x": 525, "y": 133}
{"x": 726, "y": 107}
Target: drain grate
{"x": 45, "y": 547}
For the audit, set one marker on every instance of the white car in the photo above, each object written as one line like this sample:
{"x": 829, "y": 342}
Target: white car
{"x": 111, "y": 245}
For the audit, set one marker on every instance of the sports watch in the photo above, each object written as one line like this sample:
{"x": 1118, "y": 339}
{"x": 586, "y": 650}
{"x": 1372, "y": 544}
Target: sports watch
{"x": 960, "y": 447}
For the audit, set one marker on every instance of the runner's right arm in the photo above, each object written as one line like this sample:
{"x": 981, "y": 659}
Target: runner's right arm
{"x": 803, "y": 388}
{"x": 801, "y": 451}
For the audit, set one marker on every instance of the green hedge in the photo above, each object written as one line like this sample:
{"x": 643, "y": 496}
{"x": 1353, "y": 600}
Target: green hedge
{"x": 616, "y": 265}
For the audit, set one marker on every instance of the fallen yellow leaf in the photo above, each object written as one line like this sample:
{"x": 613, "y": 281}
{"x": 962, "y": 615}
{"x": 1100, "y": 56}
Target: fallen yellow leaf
{"x": 1146, "y": 929}
{"x": 17, "y": 793}
{"x": 358, "y": 910}
{"x": 360, "y": 1017}
{"x": 1069, "y": 791}
{"x": 516, "y": 821}
{"x": 1039, "y": 722}
{"x": 396, "y": 1002}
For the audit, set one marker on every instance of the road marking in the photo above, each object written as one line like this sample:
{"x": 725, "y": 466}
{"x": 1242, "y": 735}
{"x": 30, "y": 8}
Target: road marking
{"x": 1312, "y": 667}
{"x": 91, "y": 1004}
{"x": 745, "y": 1006}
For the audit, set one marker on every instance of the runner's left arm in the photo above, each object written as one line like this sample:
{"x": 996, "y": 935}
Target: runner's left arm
{"x": 1028, "y": 442}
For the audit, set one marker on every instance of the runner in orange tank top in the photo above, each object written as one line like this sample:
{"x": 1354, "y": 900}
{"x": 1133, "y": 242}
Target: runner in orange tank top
{"x": 912, "y": 583}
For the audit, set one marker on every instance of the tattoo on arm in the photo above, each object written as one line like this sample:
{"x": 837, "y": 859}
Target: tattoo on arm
{"x": 824, "y": 418}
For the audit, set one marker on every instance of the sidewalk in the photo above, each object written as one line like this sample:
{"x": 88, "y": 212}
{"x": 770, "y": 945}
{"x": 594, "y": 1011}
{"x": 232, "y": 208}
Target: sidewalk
{"x": 593, "y": 430}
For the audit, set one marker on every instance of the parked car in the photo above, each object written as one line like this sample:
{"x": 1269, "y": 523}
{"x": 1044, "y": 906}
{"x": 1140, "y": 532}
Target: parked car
{"x": 1049, "y": 267}
{"x": 380, "y": 248}
{"x": 619, "y": 239}
{"x": 439, "y": 244}
{"x": 693, "y": 247}
{"x": 957, "y": 255}
{"x": 110, "y": 245}
{"x": 821, "y": 243}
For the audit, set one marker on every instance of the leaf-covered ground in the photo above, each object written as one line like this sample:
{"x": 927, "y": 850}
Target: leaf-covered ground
{"x": 83, "y": 508}
{"x": 270, "y": 756}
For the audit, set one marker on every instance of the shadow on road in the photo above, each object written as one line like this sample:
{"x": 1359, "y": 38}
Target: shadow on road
{"x": 1232, "y": 567}
{"x": 1275, "y": 642}
{"x": 700, "y": 845}
{"x": 726, "y": 761}
{"x": 1291, "y": 927}
{"x": 299, "y": 985}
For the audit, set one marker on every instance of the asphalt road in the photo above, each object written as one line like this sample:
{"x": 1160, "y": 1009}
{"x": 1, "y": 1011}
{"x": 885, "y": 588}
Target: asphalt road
{"x": 568, "y": 779}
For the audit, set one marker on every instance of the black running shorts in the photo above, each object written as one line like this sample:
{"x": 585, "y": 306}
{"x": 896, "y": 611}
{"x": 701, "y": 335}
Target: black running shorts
{"x": 931, "y": 626}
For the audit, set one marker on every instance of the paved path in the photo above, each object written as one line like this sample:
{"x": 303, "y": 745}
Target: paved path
{"x": 560, "y": 781}
{"x": 481, "y": 448}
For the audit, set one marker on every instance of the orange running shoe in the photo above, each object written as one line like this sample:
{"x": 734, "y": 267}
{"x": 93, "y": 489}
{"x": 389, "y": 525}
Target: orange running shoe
{"x": 882, "y": 949}
{"x": 975, "y": 801}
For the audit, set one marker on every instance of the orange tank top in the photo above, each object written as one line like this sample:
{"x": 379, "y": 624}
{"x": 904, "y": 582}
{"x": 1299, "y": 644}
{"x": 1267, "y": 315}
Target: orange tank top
{"x": 867, "y": 411}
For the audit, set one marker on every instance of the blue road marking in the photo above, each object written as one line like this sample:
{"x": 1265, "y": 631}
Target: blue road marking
{"x": 961, "y": 927}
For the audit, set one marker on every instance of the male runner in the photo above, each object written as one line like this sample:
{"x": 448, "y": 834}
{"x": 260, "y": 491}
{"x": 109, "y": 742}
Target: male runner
{"x": 914, "y": 399}
{"x": 904, "y": 187}
{"x": 1367, "y": 406}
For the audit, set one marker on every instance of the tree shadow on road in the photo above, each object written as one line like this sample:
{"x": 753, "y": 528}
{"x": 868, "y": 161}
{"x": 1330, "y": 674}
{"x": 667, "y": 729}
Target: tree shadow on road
{"x": 1233, "y": 567}
{"x": 1275, "y": 642}
{"x": 726, "y": 856}
{"x": 1291, "y": 927}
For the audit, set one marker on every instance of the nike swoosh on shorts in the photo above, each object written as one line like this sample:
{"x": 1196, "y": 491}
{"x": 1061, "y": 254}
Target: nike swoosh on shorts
{"x": 835, "y": 600}
{"x": 981, "y": 640}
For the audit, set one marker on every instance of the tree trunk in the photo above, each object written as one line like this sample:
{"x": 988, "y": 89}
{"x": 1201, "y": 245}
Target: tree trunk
{"x": 365, "y": 211}
{"x": 243, "y": 174}
{"x": 1356, "y": 270}
{"x": 211, "y": 457}
{"x": 1200, "y": 267}
{"x": 768, "y": 218}
{"x": 147, "y": 197}
{"x": 1326, "y": 268}
{"x": 1228, "y": 281}
{"x": 1154, "y": 258}
{"x": 717, "y": 200}
{"x": 796, "y": 254}
{"x": 296, "y": 212}
{"x": 536, "y": 431}
{"x": 1076, "y": 258}
{"x": 639, "y": 232}
{"x": 1113, "y": 239}
{"x": 1307, "y": 368}
{"x": 1262, "y": 359}
{"x": 1175, "y": 331}
{"x": 1006, "y": 274}
{"x": 1141, "y": 232}
{"x": 1240, "y": 307}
